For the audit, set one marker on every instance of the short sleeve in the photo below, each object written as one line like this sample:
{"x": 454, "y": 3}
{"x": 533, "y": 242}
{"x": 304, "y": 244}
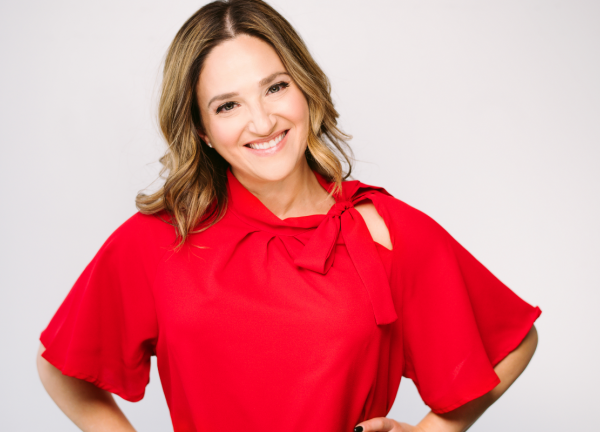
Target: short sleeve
{"x": 459, "y": 320}
{"x": 105, "y": 330}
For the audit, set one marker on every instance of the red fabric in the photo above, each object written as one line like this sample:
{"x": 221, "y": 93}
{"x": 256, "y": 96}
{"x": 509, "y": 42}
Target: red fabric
{"x": 303, "y": 323}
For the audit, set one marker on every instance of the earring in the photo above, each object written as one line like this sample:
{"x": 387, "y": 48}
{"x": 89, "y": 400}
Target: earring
{"x": 208, "y": 143}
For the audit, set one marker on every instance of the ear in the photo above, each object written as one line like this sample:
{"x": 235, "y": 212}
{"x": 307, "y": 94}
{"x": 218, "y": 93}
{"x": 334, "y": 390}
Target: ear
{"x": 202, "y": 135}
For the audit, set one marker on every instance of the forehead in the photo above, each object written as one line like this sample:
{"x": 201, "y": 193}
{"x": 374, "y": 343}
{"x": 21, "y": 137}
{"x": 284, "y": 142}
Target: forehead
{"x": 237, "y": 64}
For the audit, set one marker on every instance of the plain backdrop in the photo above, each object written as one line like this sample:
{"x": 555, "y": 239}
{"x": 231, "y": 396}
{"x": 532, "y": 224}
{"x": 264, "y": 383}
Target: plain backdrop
{"x": 483, "y": 114}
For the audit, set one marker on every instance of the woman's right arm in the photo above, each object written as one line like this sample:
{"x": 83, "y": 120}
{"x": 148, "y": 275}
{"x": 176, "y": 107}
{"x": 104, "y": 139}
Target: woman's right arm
{"x": 91, "y": 408}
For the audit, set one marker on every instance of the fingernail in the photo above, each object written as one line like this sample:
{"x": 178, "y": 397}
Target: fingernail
{"x": 358, "y": 429}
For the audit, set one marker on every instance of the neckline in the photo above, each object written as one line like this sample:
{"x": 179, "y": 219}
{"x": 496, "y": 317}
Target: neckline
{"x": 251, "y": 210}
{"x": 247, "y": 207}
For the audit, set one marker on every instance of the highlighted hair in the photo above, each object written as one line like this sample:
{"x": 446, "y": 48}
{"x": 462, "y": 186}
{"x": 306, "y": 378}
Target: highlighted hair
{"x": 195, "y": 191}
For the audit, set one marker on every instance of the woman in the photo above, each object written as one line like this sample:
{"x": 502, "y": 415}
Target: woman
{"x": 276, "y": 295}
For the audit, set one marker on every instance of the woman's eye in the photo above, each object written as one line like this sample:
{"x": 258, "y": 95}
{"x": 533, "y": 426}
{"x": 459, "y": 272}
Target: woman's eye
{"x": 227, "y": 106}
{"x": 278, "y": 87}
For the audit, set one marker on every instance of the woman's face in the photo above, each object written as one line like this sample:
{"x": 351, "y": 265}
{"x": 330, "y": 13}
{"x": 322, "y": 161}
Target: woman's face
{"x": 253, "y": 114}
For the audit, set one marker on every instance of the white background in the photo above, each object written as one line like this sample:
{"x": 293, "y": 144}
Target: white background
{"x": 484, "y": 115}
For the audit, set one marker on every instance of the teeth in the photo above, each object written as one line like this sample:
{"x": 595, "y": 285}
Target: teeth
{"x": 266, "y": 145}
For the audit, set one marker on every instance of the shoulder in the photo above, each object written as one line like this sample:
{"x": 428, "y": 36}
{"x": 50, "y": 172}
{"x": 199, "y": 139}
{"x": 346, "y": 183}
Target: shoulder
{"x": 143, "y": 234}
{"x": 413, "y": 228}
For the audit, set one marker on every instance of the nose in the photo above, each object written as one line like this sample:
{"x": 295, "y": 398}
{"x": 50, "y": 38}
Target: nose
{"x": 262, "y": 122}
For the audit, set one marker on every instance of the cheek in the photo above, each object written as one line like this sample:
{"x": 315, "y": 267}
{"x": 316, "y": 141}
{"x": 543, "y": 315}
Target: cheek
{"x": 296, "y": 109}
{"x": 225, "y": 131}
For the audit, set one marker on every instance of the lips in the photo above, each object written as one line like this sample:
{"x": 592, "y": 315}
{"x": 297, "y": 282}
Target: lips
{"x": 270, "y": 146}
{"x": 267, "y": 144}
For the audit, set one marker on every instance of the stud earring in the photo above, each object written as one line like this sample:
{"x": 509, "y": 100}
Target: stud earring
{"x": 209, "y": 144}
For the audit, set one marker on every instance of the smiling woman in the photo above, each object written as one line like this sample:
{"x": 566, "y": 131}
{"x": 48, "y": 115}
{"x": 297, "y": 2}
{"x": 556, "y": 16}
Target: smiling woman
{"x": 236, "y": 78}
{"x": 266, "y": 114}
{"x": 275, "y": 293}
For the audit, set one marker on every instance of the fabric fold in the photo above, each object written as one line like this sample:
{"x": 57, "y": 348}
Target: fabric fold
{"x": 318, "y": 254}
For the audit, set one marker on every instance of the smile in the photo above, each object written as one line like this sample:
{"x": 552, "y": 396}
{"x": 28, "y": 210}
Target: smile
{"x": 267, "y": 144}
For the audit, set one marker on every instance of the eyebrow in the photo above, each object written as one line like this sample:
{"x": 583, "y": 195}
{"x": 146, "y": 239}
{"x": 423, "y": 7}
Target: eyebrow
{"x": 261, "y": 83}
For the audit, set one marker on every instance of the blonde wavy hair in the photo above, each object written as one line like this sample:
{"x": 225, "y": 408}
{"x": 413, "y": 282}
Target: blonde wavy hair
{"x": 195, "y": 190}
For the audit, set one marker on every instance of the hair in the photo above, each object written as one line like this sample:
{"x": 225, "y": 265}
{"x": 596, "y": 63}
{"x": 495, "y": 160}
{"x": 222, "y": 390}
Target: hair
{"x": 194, "y": 193}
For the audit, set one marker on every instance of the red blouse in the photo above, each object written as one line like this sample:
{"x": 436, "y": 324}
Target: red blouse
{"x": 305, "y": 322}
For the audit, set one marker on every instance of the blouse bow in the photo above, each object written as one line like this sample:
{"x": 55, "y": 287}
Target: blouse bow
{"x": 318, "y": 253}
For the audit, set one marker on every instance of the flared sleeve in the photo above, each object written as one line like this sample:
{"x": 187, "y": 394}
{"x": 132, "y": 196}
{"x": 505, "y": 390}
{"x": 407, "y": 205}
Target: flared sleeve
{"x": 458, "y": 319}
{"x": 105, "y": 330}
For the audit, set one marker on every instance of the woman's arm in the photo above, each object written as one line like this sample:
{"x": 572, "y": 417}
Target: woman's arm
{"x": 91, "y": 408}
{"x": 460, "y": 419}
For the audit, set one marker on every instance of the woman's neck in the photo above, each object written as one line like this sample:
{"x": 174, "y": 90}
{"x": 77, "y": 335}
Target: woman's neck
{"x": 298, "y": 194}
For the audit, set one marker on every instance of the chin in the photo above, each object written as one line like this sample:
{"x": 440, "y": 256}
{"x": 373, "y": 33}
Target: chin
{"x": 274, "y": 171}
{"x": 277, "y": 172}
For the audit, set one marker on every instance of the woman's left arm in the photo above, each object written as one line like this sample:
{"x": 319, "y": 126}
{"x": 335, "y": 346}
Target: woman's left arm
{"x": 460, "y": 419}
